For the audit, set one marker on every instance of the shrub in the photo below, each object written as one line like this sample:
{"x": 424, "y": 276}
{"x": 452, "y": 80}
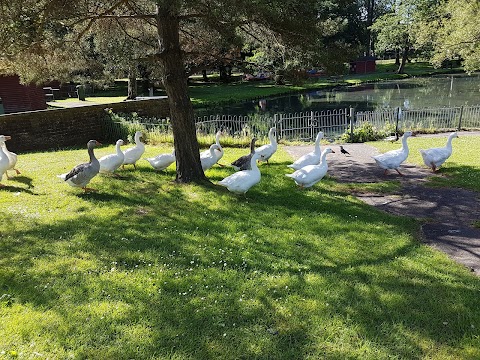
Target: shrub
{"x": 368, "y": 132}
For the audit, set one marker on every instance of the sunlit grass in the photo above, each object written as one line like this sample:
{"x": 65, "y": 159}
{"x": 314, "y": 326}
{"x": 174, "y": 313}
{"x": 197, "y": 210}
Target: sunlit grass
{"x": 148, "y": 269}
{"x": 462, "y": 169}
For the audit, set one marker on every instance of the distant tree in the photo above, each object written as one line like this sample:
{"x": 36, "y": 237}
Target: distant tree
{"x": 370, "y": 11}
{"x": 450, "y": 31}
{"x": 394, "y": 30}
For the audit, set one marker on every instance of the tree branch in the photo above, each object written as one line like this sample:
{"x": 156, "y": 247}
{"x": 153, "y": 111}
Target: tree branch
{"x": 106, "y": 13}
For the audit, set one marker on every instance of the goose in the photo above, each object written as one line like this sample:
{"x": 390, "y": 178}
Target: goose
{"x": 81, "y": 174}
{"x": 266, "y": 151}
{"x": 4, "y": 160}
{"x": 435, "y": 157}
{"x": 312, "y": 158}
{"x": 392, "y": 159}
{"x": 12, "y": 159}
{"x": 243, "y": 162}
{"x": 241, "y": 181}
{"x": 309, "y": 175}
{"x": 209, "y": 159}
{"x": 110, "y": 163}
{"x": 162, "y": 161}
{"x": 218, "y": 151}
{"x": 133, "y": 154}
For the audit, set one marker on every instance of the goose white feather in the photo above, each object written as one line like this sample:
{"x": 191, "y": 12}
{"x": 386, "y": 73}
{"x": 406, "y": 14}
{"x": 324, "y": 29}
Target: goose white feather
{"x": 241, "y": 181}
{"x": 4, "y": 161}
{"x": 435, "y": 157}
{"x": 81, "y": 174}
{"x": 162, "y": 161}
{"x": 266, "y": 151}
{"x": 309, "y": 175}
{"x": 209, "y": 159}
{"x": 12, "y": 159}
{"x": 133, "y": 154}
{"x": 312, "y": 158}
{"x": 392, "y": 160}
{"x": 110, "y": 163}
{"x": 218, "y": 151}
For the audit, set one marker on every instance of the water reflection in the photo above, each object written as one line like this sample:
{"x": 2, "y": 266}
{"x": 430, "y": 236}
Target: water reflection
{"x": 415, "y": 93}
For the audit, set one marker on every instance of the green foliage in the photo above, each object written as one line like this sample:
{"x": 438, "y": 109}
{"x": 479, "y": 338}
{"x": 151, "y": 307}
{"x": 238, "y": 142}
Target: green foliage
{"x": 367, "y": 132}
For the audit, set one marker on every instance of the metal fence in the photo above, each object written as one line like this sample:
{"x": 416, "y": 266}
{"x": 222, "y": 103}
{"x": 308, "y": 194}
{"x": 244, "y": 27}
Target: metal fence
{"x": 453, "y": 118}
{"x": 305, "y": 126}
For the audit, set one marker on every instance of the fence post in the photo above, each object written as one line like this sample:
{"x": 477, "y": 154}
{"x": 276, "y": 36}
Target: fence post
{"x": 398, "y": 115}
{"x": 275, "y": 124}
{"x": 460, "y": 119}
{"x": 351, "y": 119}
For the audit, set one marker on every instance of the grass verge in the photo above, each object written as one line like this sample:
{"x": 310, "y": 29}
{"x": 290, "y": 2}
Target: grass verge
{"x": 148, "y": 269}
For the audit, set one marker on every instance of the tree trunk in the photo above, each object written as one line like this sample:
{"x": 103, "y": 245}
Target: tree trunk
{"x": 370, "y": 19}
{"x": 170, "y": 56}
{"x": 223, "y": 73}
{"x": 401, "y": 68}
{"x": 204, "y": 75}
{"x": 397, "y": 57}
{"x": 132, "y": 85}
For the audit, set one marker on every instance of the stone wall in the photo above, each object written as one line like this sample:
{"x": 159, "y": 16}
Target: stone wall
{"x": 58, "y": 128}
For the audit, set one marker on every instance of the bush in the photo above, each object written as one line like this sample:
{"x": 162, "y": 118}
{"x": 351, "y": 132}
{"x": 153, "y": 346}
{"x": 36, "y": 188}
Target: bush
{"x": 368, "y": 132}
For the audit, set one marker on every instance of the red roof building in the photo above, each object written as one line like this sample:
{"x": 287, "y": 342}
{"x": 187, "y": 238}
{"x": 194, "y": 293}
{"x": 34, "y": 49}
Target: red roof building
{"x": 363, "y": 65}
{"x": 17, "y": 97}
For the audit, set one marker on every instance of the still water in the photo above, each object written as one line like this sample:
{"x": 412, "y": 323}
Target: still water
{"x": 413, "y": 93}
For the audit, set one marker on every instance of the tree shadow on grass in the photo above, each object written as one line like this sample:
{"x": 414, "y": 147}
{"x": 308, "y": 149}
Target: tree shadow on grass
{"x": 176, "y": 278}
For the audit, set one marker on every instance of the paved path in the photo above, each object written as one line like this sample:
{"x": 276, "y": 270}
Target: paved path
{"x": 447, "y": 213}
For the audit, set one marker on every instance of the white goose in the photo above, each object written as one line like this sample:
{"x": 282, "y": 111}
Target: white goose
{"x": 110, "y": 163}
{"x": 81, "y": 174}
{"x": 133, "y": 154}
{"x": 218, "y": 151}
{"x": 240, "y": 182}
{"x": 162, "y": 161}
{"x": 208, "y": 159}
{"x": 392, "y": 160}
{"x": 309, "y": 175}
{"x": 266, "y": 151}
{"x": 435, "y": 157}
{"x": 312, "y": 158}
{"x": 243, "y": 162}
{"x": 4, "y": 161}
{"x": 12, "y": 159}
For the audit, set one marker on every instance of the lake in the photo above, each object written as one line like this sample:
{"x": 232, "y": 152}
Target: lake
{"x": 413, "y": 93}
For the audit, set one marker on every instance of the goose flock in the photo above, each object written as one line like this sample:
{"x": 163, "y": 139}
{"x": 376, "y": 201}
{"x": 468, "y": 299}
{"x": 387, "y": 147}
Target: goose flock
{"x": 309, "y": 168}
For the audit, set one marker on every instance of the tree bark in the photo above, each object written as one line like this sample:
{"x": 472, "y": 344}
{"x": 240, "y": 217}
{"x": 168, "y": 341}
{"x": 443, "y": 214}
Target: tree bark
{"x": 401, "y": 68}
{"x": 174, "y": 79}
{"x": 132, "y": 85}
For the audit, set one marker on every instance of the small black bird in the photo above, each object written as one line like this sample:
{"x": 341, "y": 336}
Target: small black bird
{"x": 343, "y": 151}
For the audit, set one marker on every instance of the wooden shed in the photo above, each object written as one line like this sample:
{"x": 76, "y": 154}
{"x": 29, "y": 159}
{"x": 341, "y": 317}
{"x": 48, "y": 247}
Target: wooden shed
{"x": 17, "y": 97}
{"x": 363, "y": 65}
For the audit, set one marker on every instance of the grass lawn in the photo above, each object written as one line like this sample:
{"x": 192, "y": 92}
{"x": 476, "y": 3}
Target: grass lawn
{"x": 147, "y": 269}
{"x": 462, "y": 169}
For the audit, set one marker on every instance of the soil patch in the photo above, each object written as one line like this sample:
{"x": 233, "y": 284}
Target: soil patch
{"x": 447, "y": 213}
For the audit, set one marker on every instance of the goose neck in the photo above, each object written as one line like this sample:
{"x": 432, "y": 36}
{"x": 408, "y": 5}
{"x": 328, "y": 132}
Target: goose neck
{"x": 404, "y": 143}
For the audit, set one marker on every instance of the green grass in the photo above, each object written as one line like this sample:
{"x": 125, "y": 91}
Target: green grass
{"x": 462, "y": 169}
{"x": 147, "y": 269}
